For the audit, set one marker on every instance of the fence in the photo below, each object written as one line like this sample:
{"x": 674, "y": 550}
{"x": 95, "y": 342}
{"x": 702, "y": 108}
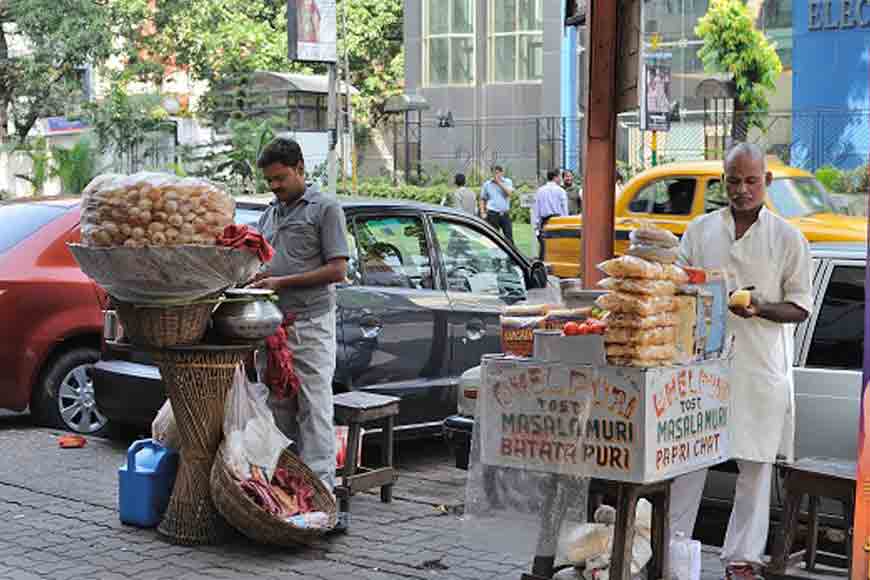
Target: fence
{"x": 528, "y": 147}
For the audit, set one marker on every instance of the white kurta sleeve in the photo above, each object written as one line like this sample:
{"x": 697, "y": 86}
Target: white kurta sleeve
{"x": 687, "y": 254}
{"x": 797, "y": 282}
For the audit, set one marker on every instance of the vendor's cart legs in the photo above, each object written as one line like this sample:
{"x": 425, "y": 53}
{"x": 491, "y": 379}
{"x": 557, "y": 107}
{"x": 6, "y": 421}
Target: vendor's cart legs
{"x": 628, "y": 494}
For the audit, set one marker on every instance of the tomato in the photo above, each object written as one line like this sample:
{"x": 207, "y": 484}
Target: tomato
{"x": 571, "y": 329}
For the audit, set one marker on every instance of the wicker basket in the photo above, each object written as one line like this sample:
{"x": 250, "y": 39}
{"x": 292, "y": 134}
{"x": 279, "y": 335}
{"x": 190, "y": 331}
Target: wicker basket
{"x": 254, "y": 522}
{"x": 163, "y": 326}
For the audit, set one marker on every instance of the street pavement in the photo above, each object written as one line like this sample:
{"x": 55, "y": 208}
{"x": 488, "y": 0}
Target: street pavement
{"x": 59, "y": 520}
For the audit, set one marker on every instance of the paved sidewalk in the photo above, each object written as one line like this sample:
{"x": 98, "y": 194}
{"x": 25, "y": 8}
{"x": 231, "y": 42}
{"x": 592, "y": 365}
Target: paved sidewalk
{"x": 59, "y": 520}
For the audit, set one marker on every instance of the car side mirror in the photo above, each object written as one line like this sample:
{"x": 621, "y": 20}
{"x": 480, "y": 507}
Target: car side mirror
{"x": 537, "y": 275}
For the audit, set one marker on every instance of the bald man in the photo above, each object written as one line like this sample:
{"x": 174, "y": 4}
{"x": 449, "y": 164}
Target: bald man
{"x": 759, "y": 250}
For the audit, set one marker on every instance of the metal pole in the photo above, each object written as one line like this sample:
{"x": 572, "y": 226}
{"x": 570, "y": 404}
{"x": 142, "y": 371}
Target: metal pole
{"x": 655, "y": 148}
{"x": 350, "y": 128}
{"x": 333, "y": 134}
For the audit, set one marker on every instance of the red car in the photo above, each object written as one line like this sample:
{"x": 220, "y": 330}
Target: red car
{"x": 50, "y": 316}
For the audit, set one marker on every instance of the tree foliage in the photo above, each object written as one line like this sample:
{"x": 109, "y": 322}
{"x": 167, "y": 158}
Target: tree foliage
{"x": 44, "y": 44}
{"x": 732, "y": 45}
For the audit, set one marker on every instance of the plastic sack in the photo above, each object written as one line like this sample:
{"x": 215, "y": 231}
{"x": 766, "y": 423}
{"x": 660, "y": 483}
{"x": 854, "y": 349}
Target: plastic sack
{"x": 632, "y": 320}
{"x": 165, "y": 275}
{"x": 520, "y": 488}
{"x": 636, "y": 303}
{"x": 654, "y": 253}
{"x": 637, "y": 286}
{"x": 632, "y": 267}
{"x": 164, "y": 429}
{"x": 648, "y": 234}
{"x": 650, "y": 351}
{"x": 153, "y": 209}
{"x": 641, "y": 336}
{"x": 250, "y": 434}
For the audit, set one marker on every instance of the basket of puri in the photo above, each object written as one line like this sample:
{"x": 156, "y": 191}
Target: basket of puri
{"x": 244, "y": 514}
{"x": 150, "y": 240}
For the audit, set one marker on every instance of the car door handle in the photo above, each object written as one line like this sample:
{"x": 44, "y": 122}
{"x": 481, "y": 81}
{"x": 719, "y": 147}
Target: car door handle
{"x": 371, "y": 326}
{"x": 475, "y": 329}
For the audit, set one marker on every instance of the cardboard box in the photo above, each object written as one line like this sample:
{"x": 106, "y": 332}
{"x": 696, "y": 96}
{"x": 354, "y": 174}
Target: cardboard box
{"x": 585, "y": 349}
{"x": 615, "y": 423}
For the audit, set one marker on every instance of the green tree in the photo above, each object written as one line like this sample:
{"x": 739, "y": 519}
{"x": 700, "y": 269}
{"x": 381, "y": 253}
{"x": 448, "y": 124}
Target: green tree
{"x": 732, "y": 45}
{"x": 44, "y": 44}
{"x": 76, "y": 166}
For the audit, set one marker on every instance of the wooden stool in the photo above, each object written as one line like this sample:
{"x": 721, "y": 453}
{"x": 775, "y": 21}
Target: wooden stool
{"x": 355, "y": 409}
{"x": 815, "y": 477}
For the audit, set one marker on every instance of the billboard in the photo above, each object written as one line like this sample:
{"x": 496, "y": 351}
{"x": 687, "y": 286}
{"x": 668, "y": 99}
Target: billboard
{"x": 311, "y": 35}
{"x": 655, "y": 102}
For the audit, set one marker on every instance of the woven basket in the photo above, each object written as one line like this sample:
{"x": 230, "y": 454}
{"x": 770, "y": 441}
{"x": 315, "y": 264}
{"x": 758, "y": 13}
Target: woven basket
{"x": 163, "y": 326}
{"x": 254, "y": 522}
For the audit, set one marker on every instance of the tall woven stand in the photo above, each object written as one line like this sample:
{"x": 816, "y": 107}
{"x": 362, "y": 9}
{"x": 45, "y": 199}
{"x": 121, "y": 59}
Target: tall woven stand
{"x": 197, "y": 379}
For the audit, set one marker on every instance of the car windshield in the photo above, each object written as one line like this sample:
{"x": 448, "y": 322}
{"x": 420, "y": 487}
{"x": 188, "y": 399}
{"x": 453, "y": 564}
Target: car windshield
{"x": 247, "y": 216}
{"x": 799, "y": 197}
{"x": 21, "y": 220}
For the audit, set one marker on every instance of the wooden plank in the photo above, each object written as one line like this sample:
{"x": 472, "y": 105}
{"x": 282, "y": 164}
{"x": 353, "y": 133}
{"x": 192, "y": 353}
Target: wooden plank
{"x": 371, "y": 479}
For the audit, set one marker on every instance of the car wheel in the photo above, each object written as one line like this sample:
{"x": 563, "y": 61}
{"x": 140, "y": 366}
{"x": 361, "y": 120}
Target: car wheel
{"x": 64, "y": 396}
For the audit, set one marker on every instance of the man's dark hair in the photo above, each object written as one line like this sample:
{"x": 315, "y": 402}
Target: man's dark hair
{"x": 552, "y": 174}
{"x": 459, "y": 180}
{"x": 280, "y": 150}
{"x": 497, "y": 168}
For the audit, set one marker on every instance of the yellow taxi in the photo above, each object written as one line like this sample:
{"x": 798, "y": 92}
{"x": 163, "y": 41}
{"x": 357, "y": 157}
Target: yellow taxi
{"x": 671, "y": 195}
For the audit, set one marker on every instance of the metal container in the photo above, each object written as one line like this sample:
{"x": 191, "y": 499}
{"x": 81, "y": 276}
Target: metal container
{"x": 248, "y": 314}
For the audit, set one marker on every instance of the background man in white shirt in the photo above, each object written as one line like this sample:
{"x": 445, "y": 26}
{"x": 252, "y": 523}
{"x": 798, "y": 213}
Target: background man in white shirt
{"x": 758, "y": 250}
{"x": 550, "y": 201}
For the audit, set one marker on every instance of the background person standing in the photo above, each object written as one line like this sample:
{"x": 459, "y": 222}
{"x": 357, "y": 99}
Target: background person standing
{"x": 307, "y": 230}
{"x": 462, "y": 197}
{"x": 550, "y": 201}
{"x": 573, "y": 191}
{"x": 495, "y": 203}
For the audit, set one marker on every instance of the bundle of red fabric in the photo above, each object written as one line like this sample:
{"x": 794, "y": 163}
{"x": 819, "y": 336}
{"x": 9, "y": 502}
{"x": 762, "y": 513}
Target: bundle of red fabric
{"x": 281, "y": 377}
{"x": 296, "y": 486}
{"x": 244, "y": 237}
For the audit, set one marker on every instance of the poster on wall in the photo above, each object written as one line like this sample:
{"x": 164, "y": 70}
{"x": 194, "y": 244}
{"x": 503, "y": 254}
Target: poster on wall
{"x": 655, "y": 103}
{"x": 311, "y": 32}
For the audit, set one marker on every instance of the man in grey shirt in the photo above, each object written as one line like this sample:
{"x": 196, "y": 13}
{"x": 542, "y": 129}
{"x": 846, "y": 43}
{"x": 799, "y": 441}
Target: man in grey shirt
{"x": 462, "y": 197}
{"x": 307, "y": 230}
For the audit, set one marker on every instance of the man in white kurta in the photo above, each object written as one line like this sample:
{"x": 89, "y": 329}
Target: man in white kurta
{"x": 759, "y": 251}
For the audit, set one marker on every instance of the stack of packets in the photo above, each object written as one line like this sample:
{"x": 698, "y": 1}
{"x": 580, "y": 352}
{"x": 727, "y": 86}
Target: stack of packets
{"x": 643, "y": 324}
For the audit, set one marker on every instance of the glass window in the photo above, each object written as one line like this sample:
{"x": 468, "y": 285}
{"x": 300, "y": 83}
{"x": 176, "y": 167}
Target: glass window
{"x": 448, "y": 42}
{"x": 838, "y": 338}
{"x": 22, "y": 220}
{"x": 666, "y": 196}
{"x": 354, "y": 272}
{"x": 801, "y": 197}
{"x": 475, "y": 263}
{"x": 516, "y": 43}
{"x": 714, "y": 197}
{"x": 394, "y": 253}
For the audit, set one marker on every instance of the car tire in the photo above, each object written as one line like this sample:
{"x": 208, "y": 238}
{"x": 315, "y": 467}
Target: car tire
{"x": 64, "y": 395}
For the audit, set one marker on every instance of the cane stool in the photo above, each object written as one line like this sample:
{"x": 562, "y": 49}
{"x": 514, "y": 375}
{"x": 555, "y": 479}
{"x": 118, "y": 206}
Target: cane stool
{"x": 357, "y": 409}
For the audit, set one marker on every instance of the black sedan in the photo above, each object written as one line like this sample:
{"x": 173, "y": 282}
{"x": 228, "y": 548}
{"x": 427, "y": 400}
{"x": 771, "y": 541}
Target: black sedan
{"x": 425, "y": 288}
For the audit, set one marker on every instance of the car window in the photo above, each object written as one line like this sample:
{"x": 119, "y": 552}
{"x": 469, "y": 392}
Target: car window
{"x": 22, "y": 220}
{"x": 799, "y": 197}
{"x": 476, "y": 263}
{"x": 248, "y": 217}
{"x": 672, "y": 196}
{"x": 838, "y": 338}
{"x": 354, "y": 271}
{"x": 714, "y": 196}
{"x": 393, "y": 252}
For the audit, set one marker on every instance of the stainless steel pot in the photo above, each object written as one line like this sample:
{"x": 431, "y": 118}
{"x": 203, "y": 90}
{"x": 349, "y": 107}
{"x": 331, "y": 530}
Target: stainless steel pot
{"x": 248, "y": 314}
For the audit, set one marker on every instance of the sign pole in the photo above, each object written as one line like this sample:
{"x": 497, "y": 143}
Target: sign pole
{"x": 655, "y": 148}
{"x": 331, "y": 164}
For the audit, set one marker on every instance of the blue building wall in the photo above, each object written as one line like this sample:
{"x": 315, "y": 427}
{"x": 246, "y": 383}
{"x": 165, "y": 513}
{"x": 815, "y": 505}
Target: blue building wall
{"x": 831, "y": 83}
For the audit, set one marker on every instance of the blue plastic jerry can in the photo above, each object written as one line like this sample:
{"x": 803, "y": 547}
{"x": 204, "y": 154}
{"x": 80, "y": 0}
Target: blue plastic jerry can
{"x": 145, "y": 483}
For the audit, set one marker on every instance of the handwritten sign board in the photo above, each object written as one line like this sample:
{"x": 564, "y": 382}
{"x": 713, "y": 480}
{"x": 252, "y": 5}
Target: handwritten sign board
{"x": 621, "y": 424}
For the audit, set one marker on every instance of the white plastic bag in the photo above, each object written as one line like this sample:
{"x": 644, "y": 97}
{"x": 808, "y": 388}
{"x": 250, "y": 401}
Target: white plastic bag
{"x": 163, "y": 428}
{"x": 251, "y": 436}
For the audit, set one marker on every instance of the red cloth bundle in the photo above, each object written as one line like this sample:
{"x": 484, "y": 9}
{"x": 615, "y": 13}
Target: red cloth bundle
{"x": 247, "y": 238}
{"x": 281, "y": 376}
{"x": 296, "y": 486}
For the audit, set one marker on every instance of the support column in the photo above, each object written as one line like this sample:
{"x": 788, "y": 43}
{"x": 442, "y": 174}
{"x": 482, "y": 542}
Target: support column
{"x": 600, "y": 162}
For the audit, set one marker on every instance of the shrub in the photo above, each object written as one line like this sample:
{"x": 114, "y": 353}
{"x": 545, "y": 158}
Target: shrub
{"x": 832, "y": 178}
